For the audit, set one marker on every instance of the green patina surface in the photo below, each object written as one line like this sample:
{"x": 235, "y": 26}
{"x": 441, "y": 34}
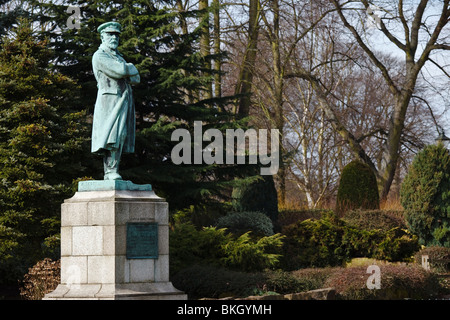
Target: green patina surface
{"x": 107, "y": 185}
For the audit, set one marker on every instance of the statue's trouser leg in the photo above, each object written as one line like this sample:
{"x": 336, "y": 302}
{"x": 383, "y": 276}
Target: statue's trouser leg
{"x": 111, "y": 162}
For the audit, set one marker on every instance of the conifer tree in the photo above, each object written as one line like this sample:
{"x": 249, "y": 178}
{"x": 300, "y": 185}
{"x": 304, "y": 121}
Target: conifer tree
{"x": 42, "y": 143}
{"x": 425, "y": 195}
{"x": 9, "y": 17}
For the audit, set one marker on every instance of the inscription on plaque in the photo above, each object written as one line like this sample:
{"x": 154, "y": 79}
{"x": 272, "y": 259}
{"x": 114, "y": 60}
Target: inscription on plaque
{"x": 142, "y": 240}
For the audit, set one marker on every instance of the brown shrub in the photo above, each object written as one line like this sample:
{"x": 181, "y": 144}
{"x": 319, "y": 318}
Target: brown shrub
{"x": 42, "y": 278}
{"x": 439, "y": 258}
{"x": 397, "y": 282}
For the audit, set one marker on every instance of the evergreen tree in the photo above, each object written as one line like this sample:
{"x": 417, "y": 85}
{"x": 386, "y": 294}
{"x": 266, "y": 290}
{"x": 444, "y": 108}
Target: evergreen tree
{"x": 357, "y": 188}
{"x": 169, "y": 95}
{"x": 9, "y": 17}
{"x": 425, "y": 195}
{"x": 42, "y": 143}
{"x": 259, "y": 195}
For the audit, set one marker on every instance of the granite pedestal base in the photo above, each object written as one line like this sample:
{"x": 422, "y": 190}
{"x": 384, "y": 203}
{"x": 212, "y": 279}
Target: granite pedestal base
{"x": 97, "y": 262}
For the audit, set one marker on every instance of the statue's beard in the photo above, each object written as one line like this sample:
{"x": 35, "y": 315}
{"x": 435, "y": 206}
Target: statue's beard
{"x": 112, "y": 45}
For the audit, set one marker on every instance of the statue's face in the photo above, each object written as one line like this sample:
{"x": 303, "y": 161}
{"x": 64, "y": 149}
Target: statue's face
{"x": 110, "y": 39}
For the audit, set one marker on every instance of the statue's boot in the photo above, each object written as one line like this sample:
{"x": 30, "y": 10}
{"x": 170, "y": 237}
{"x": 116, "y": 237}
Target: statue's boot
{"x": 111, "y": 165}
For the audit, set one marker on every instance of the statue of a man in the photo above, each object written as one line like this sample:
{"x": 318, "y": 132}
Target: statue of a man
{"x": 113, "y": 130}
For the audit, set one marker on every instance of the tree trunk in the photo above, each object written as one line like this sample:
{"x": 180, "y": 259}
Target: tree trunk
{"x": 278, "y": 96}
{"x": 217, "y": 60}
{"x": 244, "y": 85}
{"x": 205, "y": 48}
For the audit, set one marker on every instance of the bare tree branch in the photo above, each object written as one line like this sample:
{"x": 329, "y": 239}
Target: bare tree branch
{"x": 369, "y": 52}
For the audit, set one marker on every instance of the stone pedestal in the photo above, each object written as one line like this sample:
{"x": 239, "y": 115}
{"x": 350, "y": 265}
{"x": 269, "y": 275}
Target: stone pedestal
{"x": 114, "y": 244}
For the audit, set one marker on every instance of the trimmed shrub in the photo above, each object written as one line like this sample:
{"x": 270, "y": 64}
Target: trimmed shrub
{"x": 284, "y": 282}
{"x": 397, "y": 282}
{"x": 259, "y": 195}
{"x": 331, "y": 242}
{"x": 314, "y": 278}
{"x": 241, "y": 222}
{"x": 425, "y": 195}
{"x": 314, "y": 243}
{"x": 357, "y": 188}
{"x": 375, "y": 219}
{"x": 438, "y": 257}
{"x": 41, "y": 279}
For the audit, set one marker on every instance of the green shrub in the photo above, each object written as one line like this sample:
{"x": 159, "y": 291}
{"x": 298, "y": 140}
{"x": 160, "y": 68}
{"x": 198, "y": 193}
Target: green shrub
{"x": 314, "y": 243}
{"x": 438, "y": 258}
{"x": 425, "y": 195}
{"x": 189, "y": 246}
{"x": 259, "y": 195}
{"x": 329, "y": 241}
{"x": 375, "y": 219}
{"x": 357, "y": 188}
{"x": 397, "y": 282}
{"x": 242, "y": 222}
{"x": 247, "y": 255}
{"x": 394, "y": 245}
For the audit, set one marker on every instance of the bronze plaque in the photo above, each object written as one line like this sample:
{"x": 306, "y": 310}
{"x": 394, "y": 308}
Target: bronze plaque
{"x": 142, "y": 240}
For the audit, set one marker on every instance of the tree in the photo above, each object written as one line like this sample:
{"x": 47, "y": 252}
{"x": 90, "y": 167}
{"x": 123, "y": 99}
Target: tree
{"x": 9, "y": 12}
{"x": 42, "y": 149}
{"x": 425, "y": 196}
{"x": 244, "y": 83}
{"x": 334, "y": 105}
{"x": 420, "y": 36}
{"x": 357, "y": 188}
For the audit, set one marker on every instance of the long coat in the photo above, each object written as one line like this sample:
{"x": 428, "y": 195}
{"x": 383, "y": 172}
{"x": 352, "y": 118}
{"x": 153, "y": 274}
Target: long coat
{"x": 114, "y": 117}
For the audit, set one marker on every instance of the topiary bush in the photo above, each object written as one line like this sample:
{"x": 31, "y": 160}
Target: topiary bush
{"x": 259, "y": 195}
{"x": 241, "y": 222}
{"x": 375, "y": 219}
{"x": 357, "y": 189}
{"x": 330, "y": 241}
{"x": 314, "y": 243}
{"x": 425, "y": 196}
